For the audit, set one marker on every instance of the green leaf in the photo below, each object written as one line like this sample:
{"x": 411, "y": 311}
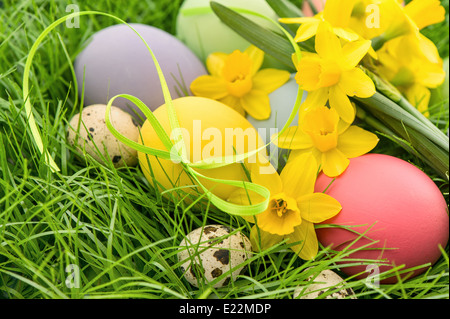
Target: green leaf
{"x": 381, "y": 103}
{"x": 286, "y": 9}
{"x": 408, "y": 138}
{"x": 270, "y": 42}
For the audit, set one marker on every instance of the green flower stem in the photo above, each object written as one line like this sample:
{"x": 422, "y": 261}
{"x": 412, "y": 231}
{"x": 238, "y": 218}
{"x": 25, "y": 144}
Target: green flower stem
{"x": 381, "y": 128}
{"x": 384, "y": 105}
{"x": 276, "y": 45}
{"x": 372, "y": 121}
{"x": 425, "y": 149}
{"x": 378, "y": 42}
{"x": 389, "y": 91}
{"x": 285, "y": 9}
{"x": 404, "y": 103}
{"x": 408, "y": 138}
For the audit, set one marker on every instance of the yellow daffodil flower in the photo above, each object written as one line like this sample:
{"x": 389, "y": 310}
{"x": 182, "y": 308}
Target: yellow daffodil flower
{"x": 413, "y": 65}
{"x": 236, "y": 80}
{"x": 293, "y": 208}
{"x": 425, "y": 12}
{"x": 408, "y": 59}
{"x": 389, "y": 19}
{"x": 331, "y": 141}
{"x": 335, "y": 12}
{"x": 386, "y": 18}
{"x": 332, "y": 74}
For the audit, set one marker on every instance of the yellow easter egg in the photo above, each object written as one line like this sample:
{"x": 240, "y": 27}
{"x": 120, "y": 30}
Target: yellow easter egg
{"x": 211, "y": 130}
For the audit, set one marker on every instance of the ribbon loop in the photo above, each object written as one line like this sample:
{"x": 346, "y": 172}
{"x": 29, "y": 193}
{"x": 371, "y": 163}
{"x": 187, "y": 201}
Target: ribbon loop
{"x": 176, "y": 154}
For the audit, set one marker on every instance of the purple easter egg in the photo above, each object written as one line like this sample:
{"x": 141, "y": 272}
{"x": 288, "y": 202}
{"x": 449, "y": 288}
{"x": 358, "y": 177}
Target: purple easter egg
{"x": 117, "y": 61}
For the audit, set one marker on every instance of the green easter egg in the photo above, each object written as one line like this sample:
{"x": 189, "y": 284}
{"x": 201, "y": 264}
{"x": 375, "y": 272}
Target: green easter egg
{"x": 204, "y": 33}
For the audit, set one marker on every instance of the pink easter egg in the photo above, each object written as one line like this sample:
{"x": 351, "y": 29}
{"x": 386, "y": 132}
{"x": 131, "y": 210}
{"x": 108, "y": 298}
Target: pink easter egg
{"x": 401, "y": 208}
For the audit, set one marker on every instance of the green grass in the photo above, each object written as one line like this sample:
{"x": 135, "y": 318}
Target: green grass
{"x": 109, "y": 222}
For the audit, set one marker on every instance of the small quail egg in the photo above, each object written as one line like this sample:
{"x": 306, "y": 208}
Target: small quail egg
{"x": 325, "y": 281}
{"x": 210, "y": 251}
{"x": 94, "y": 137}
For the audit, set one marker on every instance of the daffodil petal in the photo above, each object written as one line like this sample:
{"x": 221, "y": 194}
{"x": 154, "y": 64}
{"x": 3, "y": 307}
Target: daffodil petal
{"x": 431, "y": 75}
{"x": 356, "y": 141}
{"x": 244, "y": 197}
{"x": 314, "y": 99}
{"x": 209, "y": 86}
{"x": 353, "y": 52}
{"x": 338, "y": 12}
{"x": 293, "y": 138}
{"x": 299, "y": 175}
{"x": 267, "y": 176}
{"x": 356, "y": 83}
{"x": 268, "y": 80}
{"x": 257, "y": 57}
{"x": 262, "y": 240}
{"x": 257, "y": 104}
{"x": 346, "y": 34}
{"x": 306, "y": 31}
{"x": 215, "y": 63}
{"x": 425, "y": 13}
{"x": 343, "y": 126}
{"x": 304, "y": 54}
{"x": 334, "y": 163}
{"x": 341, "y": 103}
{"x": 419, "y": 96}
{"x": 234, "y": 103}
{"x": 318, "y": 207}
{"x": 428, "y": 48}
{"x": 308, "y": 245}
{"x": 298, "y": 20}
{"x": 328, "y": 45}
{"x": 313, "y": 151}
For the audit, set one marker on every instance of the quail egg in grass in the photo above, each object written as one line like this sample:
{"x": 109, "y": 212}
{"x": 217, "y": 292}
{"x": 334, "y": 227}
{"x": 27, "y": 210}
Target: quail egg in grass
{"x": 326, "y": 282}
{"x": 91, "y": 135}
{"x": 209, "y": 252}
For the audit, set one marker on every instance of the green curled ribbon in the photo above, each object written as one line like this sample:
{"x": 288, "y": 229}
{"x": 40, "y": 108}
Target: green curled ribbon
{"x": 171, "y": 153}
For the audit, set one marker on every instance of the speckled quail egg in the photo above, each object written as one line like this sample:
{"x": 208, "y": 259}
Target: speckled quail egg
{"x": 210, "y": 251}
{"x": 92, "y": 135}
{"x": 324, "y": 281}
